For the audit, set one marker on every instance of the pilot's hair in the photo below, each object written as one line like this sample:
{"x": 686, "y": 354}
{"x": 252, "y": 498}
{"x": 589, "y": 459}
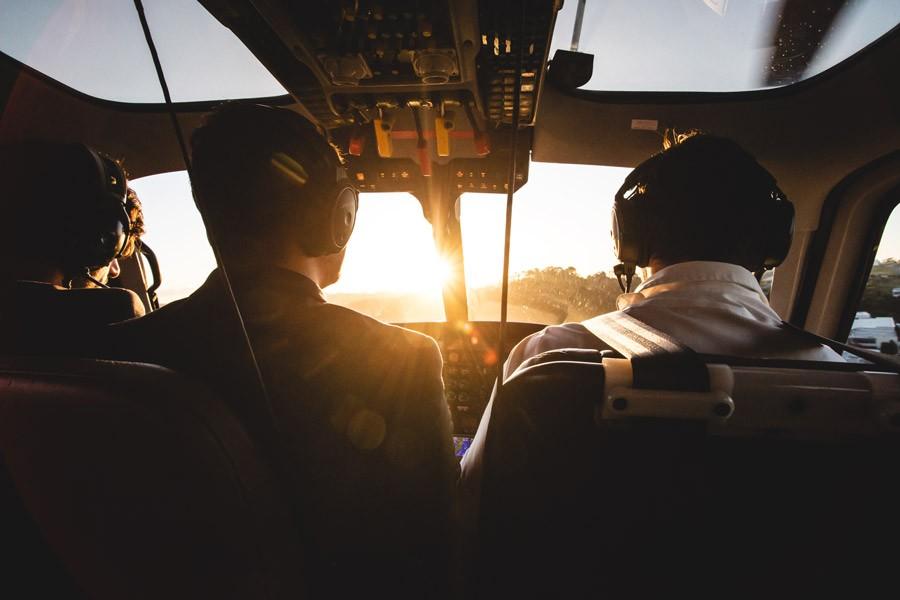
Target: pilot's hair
{"x": 239, "y": 156}
{"x": 709, "y": 190}
{"x": 136, "y": 217}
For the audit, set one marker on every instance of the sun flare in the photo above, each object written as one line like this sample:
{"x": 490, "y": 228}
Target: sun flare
{"x": 392, "y": 250}
{"x": 443, "y": 271}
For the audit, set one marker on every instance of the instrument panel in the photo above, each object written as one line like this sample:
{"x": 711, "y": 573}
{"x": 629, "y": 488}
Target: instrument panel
{"x": 471, "y": 357}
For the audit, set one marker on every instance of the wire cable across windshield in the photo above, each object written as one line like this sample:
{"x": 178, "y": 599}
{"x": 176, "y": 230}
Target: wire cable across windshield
{"x": 510, "y": 187}
{"x": 261, "y": 416}
{"x": 179, "y": 134}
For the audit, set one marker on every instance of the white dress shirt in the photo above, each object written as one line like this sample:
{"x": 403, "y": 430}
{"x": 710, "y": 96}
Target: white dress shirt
{"x": 710, "y": 307}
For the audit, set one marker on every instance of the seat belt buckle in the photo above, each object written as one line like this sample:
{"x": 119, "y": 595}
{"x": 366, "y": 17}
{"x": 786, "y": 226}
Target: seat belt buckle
{"x": 621, "y": 400}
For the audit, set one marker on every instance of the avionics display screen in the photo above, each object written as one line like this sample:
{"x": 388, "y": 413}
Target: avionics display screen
{"x": 461, "y": 443}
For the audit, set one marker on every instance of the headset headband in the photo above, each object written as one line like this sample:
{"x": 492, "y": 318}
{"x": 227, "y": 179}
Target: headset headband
{"x": 288, "y": 154}
{"x": 645, "y": 207}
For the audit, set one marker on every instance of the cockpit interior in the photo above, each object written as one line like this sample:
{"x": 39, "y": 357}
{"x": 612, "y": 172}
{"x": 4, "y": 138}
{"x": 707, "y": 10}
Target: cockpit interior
{"x": 486, "y": 139}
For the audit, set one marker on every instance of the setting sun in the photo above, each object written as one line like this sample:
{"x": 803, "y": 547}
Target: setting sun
{"x": 443, "y": 271}
{"x": 392, "y": 250}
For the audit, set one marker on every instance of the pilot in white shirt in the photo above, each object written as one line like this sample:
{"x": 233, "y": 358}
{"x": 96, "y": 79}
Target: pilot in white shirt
{"x": 704, "y": 216}
{"x": 711, "y": 307}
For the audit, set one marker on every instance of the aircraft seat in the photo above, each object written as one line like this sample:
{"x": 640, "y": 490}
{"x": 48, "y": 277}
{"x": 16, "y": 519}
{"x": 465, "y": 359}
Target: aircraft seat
{"x": 126, "y": 480}
{"x": 788, "y": 487}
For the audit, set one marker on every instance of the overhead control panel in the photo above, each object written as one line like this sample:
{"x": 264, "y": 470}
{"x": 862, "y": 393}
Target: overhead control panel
{"x": 406, "y": 86}
{"x": 513, "y": 43}
{"x": 372, "y": 42}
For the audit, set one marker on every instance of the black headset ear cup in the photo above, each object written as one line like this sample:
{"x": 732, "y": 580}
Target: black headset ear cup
{"x": 624, "y": 242}
{"x": 343, "y": 215}
{"x": 630, "y": 228}
{"x": 635, "y": 211}
{"x": 327, "y": 226}
{"x": 98, "y": 237}
{"x": 99, "y": 228}
{"x": 779, "y": 232}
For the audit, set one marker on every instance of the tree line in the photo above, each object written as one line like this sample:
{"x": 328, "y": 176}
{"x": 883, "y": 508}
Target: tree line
{"x": 561, "y": 292}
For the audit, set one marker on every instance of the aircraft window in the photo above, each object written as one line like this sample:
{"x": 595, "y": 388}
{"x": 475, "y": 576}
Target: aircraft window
{"x": 766, "y": 281}
{"x": 561, "y": 257}
{"x": 98, "y": 48}
{"x": 719, "y": 45}
{"x": 392, "y": 270}
{"x": 875, "y": 325}
{"x": 175, "y": 231}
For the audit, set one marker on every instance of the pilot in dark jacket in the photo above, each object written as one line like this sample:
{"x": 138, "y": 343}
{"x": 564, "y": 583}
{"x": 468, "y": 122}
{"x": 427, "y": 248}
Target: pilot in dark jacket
{"x": 360, "y": 424}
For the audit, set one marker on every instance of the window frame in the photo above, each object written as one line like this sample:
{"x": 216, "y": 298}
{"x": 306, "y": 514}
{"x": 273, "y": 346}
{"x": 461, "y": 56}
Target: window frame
{"x": 883, "y": 211}
{"x": 832, "y": 276}
{"x": 692, "y": 97}
{"x": 841, "y": 196}
{"x": 131, "y": 107}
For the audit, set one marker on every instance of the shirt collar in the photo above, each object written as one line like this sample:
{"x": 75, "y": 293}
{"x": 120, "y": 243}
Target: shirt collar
{"x": 696, "y": 271}
{"x": 702, "y": 270}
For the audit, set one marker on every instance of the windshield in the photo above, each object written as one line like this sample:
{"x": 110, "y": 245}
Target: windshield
{"x": 719, "y": 45}
{"x": 98, "y": 48}
{"x": 561, "y": 256}
{"x": 391, "y": 271}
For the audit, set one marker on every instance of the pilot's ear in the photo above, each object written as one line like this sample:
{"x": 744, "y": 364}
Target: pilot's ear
{"x": 114, "y": 269}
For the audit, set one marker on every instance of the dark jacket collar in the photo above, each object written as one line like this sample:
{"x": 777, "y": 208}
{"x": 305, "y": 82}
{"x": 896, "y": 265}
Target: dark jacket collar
{"x": 271, "y": 279}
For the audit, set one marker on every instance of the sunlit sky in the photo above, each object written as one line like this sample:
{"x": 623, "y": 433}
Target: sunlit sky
{"x": 561, "y": 216}
{"x": 704, "y": 45}
{"x": 693, "y": 45}
{"x": 98, "y": 47}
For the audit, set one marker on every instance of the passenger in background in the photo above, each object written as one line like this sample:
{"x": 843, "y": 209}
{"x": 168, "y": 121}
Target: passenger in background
{"x": 64, "y": 218}
{"x": 360, "y": 422}
{"x": 101, "y": 276}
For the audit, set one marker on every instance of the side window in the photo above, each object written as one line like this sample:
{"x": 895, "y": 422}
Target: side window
{"x": 766, "y": 281}
{"x": 174, "y": 229}
{"x": 875, "y": 324}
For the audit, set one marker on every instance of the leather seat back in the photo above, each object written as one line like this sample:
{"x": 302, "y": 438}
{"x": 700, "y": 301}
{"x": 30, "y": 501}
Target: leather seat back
{"x": 576, "y": 508}
{"x": 141, "y": 484}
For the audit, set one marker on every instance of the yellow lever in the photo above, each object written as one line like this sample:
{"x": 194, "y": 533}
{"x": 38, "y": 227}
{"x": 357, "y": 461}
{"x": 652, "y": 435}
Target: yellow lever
{"x": 383, "y": 137}
{"x": 442, "y": 127}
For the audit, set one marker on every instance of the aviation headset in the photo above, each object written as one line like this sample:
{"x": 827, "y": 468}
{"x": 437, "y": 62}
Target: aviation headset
{"x": 643, "y": 207}
{"x": 331, "y": 216}
{"x": 300, "y": 160}
{"x": 99, "y": 225}
{"x": 341, "y": 201}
